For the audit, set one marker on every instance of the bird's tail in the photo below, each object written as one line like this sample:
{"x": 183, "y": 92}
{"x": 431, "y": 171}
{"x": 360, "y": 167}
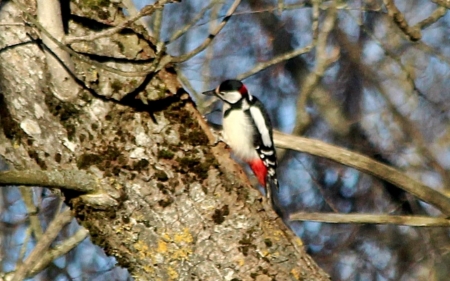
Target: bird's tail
{"x": 272, "y": 189}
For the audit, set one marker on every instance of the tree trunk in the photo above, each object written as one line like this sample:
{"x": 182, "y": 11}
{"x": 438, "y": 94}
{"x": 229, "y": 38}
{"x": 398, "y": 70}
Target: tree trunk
{"x": 184, "y": 210}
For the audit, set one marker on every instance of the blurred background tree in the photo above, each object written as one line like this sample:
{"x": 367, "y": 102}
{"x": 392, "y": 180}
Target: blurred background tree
{"x": 370, "y": 76}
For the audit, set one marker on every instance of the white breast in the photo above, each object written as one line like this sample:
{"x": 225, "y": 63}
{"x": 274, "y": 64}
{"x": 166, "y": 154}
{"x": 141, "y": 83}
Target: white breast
{"x": 238, "y": 134}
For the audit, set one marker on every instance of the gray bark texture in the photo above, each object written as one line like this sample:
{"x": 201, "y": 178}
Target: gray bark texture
{"x": 181, "y": 208}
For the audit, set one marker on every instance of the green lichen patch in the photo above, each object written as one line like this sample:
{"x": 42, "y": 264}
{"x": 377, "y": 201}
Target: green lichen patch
{"x": 165, "y": 202}
{"x": 161, "y": 176}
{"x": 63, "y": 110}
{"x": 165, "y": 154}
{"x": 140, "y": 165}
{"x": 88, "y": 159}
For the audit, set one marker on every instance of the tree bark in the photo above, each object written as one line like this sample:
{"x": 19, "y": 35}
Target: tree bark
{"x": 185, "y": 210}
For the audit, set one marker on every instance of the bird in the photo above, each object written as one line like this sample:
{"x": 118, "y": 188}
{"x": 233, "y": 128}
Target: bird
{"x": 247, "y": 130}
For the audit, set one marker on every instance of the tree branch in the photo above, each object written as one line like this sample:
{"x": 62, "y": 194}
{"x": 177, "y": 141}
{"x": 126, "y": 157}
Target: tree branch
{"x": 434, "y": 17}
{"x": 211, "y": 36}
{"x": 58, "y": 251}
{"x": 370, "y": 219}
{"x": 58, "y": 59}
{"x": 443, "y": 3}
{"x": 49, "y": 236}
{"x": 183, "y": 30}
{"x": 413, "y": 33}
{"x": 75, "y": 180}
{"x": 284, "y": 57}
{"x": 367, "y": 165}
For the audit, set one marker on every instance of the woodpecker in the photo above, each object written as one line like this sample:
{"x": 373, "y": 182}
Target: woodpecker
{"x": 248, "y": 131}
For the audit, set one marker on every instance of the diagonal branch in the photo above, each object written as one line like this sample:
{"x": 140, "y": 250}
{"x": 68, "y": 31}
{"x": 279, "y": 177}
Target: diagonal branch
{"x": 184, "y": 29}
{"x": 58, "y": 251}
{"x": 413, "y": 33}
{"x": 211, "y": 36}
{"x": 61, "y": 220}
{"x": 284, "y": 57}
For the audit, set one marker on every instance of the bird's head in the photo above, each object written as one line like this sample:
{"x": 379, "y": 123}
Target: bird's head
{"x": 230, "y": 91}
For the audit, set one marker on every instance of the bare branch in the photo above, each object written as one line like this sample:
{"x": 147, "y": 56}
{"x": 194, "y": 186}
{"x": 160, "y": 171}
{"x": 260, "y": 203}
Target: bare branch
{"x": 211, "y": 36}
{"x": 32, "y": 210}
{"x": 434, "y": 17}
{"x": 322, "y": 61}
{"x": 146, "y": 11}
{"x": 370, "y": 219}
{"x": 183, "y": 30}
{"x": 133, "y": 11}
{"x": 49, "y": 236}
{"x": 59, "y": 250}
{"x": 407, "y": 125}
{"x": 58, "y": 60}
{"x": 75, "y": 180}
{"x": 413, "y": 33}
{"x": 261, "y": 66}
{"x": 366, "y": 165}
{"x": 443, "y": 3}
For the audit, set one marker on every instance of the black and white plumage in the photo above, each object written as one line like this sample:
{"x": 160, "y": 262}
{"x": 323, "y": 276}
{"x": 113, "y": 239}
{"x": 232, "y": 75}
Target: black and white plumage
{"x": 248, "y": 131}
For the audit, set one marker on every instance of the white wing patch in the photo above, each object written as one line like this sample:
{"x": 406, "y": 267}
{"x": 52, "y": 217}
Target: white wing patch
{"x": 261, "y": 125}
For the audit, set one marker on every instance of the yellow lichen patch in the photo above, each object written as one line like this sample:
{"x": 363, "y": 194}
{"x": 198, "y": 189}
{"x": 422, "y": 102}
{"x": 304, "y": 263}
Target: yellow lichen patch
{"x": 295, "y": 273}
{"x": 265, "y": 253}
{"x": 185, "y": 237}
{"x": 140, "y": 246}
{"x": 277, "y": 235}
{"x": 162, "y": 247}
{"x": 142, "y": 249}
{"x": 166, "y": 237}
{"x": 173, "y": 274}
{"x": 298, "y": 241}
{"x": 148, "y": 269}
{"x": 182, "y": 254}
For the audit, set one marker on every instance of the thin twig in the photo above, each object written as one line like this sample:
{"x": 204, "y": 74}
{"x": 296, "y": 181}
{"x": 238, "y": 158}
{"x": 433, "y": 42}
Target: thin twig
{"x": 434, "y": 17}
{"x": 443, "y": 3}
{"x": 184, "y": 29}
{"x": 284, "y": 57}
{"x": 32, "y": 210}
{"x": 58, "y": 251}
{"x": 413, "y": 33}
{"x": 157, "y": 23}
{"x": 133, "y": 11}
{"x": 370, "y": 219}
{"x": 322, "y": 61}
{"x": 211, "y": 36}
{"x": 12, "y": 23}
{"x": 366, "y": 165}
{"x": 49, "y": 236}
{"x": 410, "y": 129}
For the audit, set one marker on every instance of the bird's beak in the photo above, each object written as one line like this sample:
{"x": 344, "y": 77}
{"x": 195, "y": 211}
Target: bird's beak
{"x": 210, "y": 93}
{"x": 213, "y": 92}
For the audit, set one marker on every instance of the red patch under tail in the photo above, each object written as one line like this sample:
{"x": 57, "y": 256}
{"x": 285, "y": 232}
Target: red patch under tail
{"x": 259, "y": 170}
